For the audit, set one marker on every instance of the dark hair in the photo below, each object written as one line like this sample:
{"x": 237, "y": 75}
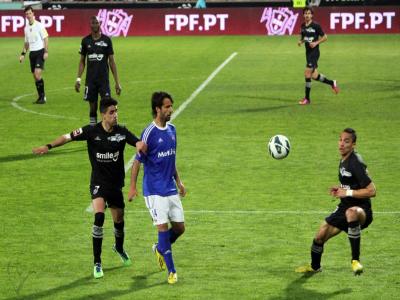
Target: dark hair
{"x": 352, "y": 132}
{"x": 106, "y": 103}
{"x": 28, "y": 8}
{"x": 157, "y": 101}
{"x": 308, "y": 9}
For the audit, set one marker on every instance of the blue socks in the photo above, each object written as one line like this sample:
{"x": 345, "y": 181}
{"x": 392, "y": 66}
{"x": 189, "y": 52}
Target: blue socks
{"x": 164, "y": 247}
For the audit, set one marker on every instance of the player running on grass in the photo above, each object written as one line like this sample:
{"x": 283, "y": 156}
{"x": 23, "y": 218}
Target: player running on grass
{"x": 105, "y": 143}
{"x": 312, "y": 35}
{"x": 354, "y": 211}
{"x": 161, "y": 181}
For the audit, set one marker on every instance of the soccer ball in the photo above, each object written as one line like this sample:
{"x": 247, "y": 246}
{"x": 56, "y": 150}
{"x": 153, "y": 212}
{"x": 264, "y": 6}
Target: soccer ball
{"x": 279, "y": 146}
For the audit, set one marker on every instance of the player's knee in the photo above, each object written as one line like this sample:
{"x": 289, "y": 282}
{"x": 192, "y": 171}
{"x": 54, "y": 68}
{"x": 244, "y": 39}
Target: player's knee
{"x": 351, "y": 213}
{"x": 180, "y": 230}
{"x": 99, "y": 219}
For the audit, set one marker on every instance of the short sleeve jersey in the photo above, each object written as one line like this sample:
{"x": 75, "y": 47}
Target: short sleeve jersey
{"x": 309, "y": 34}
{"x": 96, "y": 53}
{"x": 353, "y": 175}
{"x": 106, "y": 153}
{"x": 159, "y": 162}
{"x": 34, "y": 35}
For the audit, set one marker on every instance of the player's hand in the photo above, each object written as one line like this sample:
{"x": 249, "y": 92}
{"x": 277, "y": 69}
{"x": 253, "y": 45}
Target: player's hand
{"x": 45, "y": 55}
{"x": 77, "y": 86}
{"x": 299, "y": 43}
{"x": 40, "y": 150}
{"x": 132, "y": 193}
{"x": 141, "y": 147}
{"x": 313, "y": 44}
{"x": 182, "y": 189}
{"x": 118, "y": 89}
{"x": 21, "y": 58}
{"x": 333, "y": 190}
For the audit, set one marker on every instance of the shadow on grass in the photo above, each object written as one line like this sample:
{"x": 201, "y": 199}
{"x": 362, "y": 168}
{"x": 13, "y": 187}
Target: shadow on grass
{"x": 295, "y": 290}
{"x": 138, "y": 283}
{"x": 27, "y": 156}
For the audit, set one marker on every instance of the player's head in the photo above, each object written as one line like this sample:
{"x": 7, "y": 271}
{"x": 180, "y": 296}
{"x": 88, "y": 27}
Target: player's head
{"x": 29, "y": 13}
{"x": 161, "y": 105}
{"x": 109, "y": 110}
{"x": 308, "y": 13}
{"x": 94, "y": 24}
{"x": 347, "y": 141}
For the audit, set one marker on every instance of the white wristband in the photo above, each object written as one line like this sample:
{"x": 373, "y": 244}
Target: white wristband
{"x": 349, "y": 193}
{"x": 78, "y": 79}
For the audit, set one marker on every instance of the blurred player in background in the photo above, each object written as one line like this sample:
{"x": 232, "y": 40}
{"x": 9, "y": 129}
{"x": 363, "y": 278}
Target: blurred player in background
{"x": 97, "y": 49}
{"x": 312, "y": 35}
{"x": 354, "y": 211}
{"x": 37, "y": 43}
{"x": 105, "y": 143}
{"x": 161, "y": 181}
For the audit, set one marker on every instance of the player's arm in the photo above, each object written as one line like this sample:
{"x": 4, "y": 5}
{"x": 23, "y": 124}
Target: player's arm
{"x": 61, "y": 140}
{"x": 134, "y": 175}
{"x": 81, "y": 68}
{"x": 46, "y": 47}
{"x": 113, "y": 68}
{"x": 24, "y": 51}
{"x": 368, "y": 192}
{"x": 179, "y": 183}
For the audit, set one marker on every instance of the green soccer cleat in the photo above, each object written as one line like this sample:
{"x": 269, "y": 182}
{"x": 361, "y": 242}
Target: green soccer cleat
{"x": 307, "y": 269}
{"x": 172, "y": 278}
{"x": 160, "y": 258}
{"x": 124, "y": 257}
{"x": 357, "y": 267}
{"x": 97, "y": 271}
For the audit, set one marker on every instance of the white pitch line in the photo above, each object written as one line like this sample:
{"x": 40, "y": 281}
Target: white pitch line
{"x": 268, "y": 212}
{"x": 182, "y": 107}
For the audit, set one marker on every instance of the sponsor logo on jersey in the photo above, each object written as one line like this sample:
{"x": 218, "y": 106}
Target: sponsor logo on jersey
{"x": 95, "y": 56}
{"x": 166, "y": 153}
{"x": 116, "y": 138}
{"x": 101, "y": 44}
{"x": 107, "y": 157}
{"x": 345, "y": 173}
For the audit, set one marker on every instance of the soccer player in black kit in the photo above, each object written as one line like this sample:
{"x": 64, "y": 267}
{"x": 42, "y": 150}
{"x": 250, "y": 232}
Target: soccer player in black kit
{"x": 312, "y": 35}
{"x": 105, "y": 143}
{"x": 354, "y": 211}
{"x": 97, "y": 49}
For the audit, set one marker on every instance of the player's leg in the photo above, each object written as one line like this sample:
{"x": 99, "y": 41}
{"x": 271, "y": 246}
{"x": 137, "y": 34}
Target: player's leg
{"x": 97, "y": 233}
{"x": 177, "y": 218}
{"x": 307, "y": 75}
{"x": 37, "y": 65}
{"x": 117, "y": 212}
{"x": 90, "y": 95}
{"x": 164, "y": 247}
{"x": 321, "y": 78}
{"x": 355, "y": 217}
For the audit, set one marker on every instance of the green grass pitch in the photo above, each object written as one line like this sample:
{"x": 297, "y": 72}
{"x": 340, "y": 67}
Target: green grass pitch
{"x": 250, "y": 219}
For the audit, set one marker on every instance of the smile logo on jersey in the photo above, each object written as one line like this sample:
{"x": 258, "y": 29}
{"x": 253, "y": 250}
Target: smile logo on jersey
{"x": 107, "y": 157}
{"x": 95, "y": 56}
{"x": 116, "y": 138}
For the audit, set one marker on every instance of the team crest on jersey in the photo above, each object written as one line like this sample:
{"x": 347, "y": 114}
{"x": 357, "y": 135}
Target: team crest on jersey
{"x": 345, "y": 173}
{"x": 77, "y": 132}
{"x": 101, "y": 44}
{"x": 116, "y": 138}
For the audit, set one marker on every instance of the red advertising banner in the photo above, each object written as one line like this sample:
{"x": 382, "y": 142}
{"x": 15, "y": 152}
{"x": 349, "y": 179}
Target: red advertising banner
{"x": 217, "y": 21}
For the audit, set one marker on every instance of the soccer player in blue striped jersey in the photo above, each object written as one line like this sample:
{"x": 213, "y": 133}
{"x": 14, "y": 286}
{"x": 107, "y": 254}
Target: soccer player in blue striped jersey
{"x": 162, "y": 186}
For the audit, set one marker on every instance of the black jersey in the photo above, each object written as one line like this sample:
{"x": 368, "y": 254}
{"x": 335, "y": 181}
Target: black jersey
{"x": 106, "y": 152}
{"x": 96, "y": 52}
{"x": 309, "y": 34}
{"x": 353, "y": 175}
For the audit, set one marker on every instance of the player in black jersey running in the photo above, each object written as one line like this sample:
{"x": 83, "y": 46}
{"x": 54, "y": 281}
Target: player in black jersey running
{"x": 97, "y": 49}
{"x": 354, "y": 211}
{"x": 312, "y": 35}
{"x": 105, "y": 143}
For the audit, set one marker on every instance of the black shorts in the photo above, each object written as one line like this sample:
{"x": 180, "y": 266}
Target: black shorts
{"x": 36, "y": 59}
{"x": 93, "y": 89}
{"x": 312, "y": 60}
{"x": 338, "y": 218}
{"x": 112, "y": 196}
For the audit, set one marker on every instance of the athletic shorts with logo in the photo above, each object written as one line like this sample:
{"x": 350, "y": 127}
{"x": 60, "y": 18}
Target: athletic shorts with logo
{"x": 165, "y": 209}
{"x": 338, "y": 217}
{"x": 93, "y": 89}
{"x": 36, "y": 59}
{"x": 113, "y": 197}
